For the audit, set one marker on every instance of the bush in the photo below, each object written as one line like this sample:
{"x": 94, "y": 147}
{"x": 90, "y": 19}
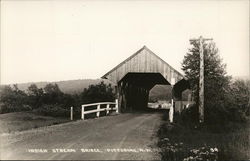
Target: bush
{"x": 14, "y": 108}
{"x": 220, "y": 112}
{"x": 98, "y": 93}
{"x": 178, "y": 142}
{"x": 189, "y": 116}
{"x": 238, "y": 101}
{"x": 13, "y": 100}
{"x": 52, "y": 94}
{"x": 35, "y": 96}
{"x": 217, "y": 120}
{"x": 50, "y": 100}
{"x": 55, "y": 110}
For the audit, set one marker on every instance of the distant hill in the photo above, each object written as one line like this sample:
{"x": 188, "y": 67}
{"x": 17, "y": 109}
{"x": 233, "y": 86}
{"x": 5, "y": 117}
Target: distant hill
{"x": 160, "y": 92}
{"x": 69, "y": 86}
{"x": 163, "y": 92}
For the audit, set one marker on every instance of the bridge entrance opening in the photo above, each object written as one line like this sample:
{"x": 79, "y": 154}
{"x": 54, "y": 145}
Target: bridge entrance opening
{"x": 134, "y": 88}
{"x": 138, "y": 74}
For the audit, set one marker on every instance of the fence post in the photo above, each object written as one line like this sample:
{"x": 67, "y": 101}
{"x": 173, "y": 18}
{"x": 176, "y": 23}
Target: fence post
{"x": 71, "y": 113}
{"x": 171, "y": 111}
{"x": 82, "y": 112}
{"x": 98, "y": 108}
{"x": 107, "y": 108}
{"x": 116, "y": 105}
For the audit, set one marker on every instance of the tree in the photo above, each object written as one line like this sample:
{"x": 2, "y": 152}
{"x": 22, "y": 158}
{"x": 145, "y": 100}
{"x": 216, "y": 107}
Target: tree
{"x": 13, "y": 100}
{"x": 98, "y": 93}
{"x": 52, "y": 89}
{"x": 239, "y": 96}
{"x": 35, "y": 95}
{"x": 52, "y": 94}
{"x": 216, "y": 80}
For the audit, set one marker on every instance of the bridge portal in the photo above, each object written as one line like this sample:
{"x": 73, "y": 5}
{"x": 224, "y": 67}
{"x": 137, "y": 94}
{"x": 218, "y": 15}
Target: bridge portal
{"x": 138, "y": 74}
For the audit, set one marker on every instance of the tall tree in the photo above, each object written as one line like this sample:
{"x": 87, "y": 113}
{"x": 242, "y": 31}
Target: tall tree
{"x": 52, "y": 94}
{"x": 35, "y": 95}
{"x": 216, "y": 80}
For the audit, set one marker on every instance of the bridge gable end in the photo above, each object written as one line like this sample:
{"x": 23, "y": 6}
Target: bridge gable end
{"x": 143, "y": 61}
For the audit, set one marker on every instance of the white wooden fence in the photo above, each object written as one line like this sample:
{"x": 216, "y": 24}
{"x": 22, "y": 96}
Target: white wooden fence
{"x": 99, "y": 109}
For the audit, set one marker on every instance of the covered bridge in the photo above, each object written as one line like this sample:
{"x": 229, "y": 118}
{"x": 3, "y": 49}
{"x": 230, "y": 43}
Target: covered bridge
{"x": 138, "y": 74}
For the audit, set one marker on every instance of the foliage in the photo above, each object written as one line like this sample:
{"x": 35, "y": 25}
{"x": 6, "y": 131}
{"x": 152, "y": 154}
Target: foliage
{"x": 13, "y": 100}
{"x": 50, "y": 100}
{"x": 68, "y": 86}
{"x": 189, "y": 116}
{"x": 217, "y": 83}
{"x": 55, "y": 110}
{"x": 203, "y": 153}
{"x": 179, "y": 151}
{"x": 238, "y": 100}
{"x": 35, "y": 95}
{"x": 98, "y": 93}
{"x": 214, "y": 70}
{"x": 52, "y": 94}
{"x": 177, "y": 142}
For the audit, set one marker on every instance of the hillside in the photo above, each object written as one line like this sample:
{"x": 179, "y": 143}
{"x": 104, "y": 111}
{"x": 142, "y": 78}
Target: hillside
{"x": 69, "y": 86}
{"x": 160, "y": 92}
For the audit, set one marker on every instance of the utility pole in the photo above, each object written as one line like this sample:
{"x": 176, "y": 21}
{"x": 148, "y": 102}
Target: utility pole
{"x": 201, "y": 81}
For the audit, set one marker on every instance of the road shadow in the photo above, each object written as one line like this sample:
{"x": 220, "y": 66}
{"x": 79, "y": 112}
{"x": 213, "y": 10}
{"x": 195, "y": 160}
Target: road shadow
{"x": 148, "y": 110}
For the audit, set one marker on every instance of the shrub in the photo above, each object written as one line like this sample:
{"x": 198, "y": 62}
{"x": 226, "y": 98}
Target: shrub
{"x": 52, "y": 94}
{"x": 232, "y": 107}
{"x": 35, "y": 96}
{"x": 13, "y": 100}
{"x": 98, "y": 93}
{"x": 14, "y": 108}
{"x": 238, "y": 100}
{"x": 50, "y": 100}
{"x": 178, "y": 142}
{"x": 55, "y": 110}
{"x": 189, "y": 116}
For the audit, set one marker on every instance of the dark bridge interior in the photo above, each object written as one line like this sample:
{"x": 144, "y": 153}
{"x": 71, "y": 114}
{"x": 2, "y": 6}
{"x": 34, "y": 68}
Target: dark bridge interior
{"x": 134, "y": 89}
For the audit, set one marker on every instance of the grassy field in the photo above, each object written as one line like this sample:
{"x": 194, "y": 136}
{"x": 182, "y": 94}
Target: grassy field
{"x": 182, "y": 143}
{"x": 20, "y": 121}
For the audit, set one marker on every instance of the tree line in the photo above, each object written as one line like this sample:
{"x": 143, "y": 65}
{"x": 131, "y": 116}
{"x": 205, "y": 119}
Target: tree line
{"x": 50, "y": 100}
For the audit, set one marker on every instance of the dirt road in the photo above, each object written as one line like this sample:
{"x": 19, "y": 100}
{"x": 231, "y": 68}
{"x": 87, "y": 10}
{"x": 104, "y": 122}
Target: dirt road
{"x": 128, "y": 136}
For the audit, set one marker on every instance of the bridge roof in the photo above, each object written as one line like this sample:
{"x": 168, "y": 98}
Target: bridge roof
{"x": 144, "y": 61}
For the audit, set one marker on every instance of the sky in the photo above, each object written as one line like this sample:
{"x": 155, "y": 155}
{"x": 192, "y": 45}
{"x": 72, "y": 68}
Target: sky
{"x": 54, "y": 40}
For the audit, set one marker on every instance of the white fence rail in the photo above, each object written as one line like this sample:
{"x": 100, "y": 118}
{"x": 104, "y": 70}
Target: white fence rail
{"x": 99, "y": 109}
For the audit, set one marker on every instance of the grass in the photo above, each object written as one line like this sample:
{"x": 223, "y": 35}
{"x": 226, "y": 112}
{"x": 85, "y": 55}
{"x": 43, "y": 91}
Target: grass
{"x": 178, "y": 142}
{"x": 20, "y": 121}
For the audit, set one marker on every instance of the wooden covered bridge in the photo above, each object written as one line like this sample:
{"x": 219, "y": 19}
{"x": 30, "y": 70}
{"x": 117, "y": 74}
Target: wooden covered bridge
{"x": 138, "y": 74}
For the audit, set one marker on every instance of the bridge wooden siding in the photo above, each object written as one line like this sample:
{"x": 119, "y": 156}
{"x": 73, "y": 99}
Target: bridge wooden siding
{"x": 135, "y": 76}
{"x": 143, "y": 61}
